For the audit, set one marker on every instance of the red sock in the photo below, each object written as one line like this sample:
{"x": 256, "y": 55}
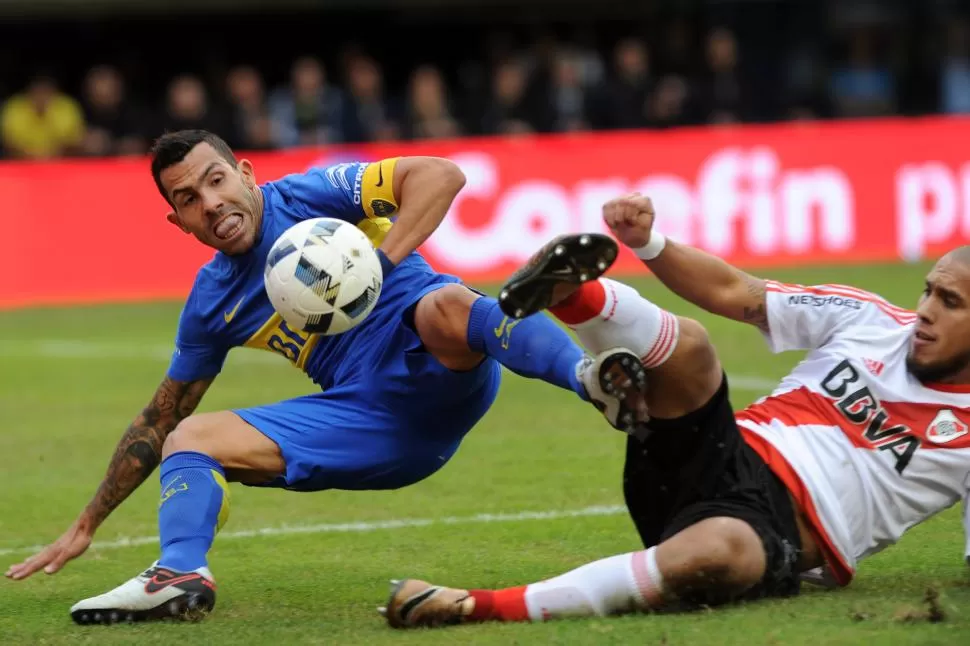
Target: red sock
{"x": 582, "y": 305}
{"x": 499, "y": 605}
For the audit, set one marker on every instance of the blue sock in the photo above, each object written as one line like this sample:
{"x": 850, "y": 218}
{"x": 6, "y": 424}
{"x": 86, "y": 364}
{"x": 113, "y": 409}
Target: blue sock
{"x": 532, "y": 347}
{"x": 194, "y": 506}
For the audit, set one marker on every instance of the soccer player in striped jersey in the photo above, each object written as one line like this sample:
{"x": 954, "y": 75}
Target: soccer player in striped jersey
{"x": 867, "y": 436}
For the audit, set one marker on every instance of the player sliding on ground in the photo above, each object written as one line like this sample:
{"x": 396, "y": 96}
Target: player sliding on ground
{"x": 865, "y": 438}
{"x": 400, "y": 390}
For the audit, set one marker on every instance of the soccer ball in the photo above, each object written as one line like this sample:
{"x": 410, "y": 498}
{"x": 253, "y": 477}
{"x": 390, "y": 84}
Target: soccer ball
{"x": 323, "y": 276}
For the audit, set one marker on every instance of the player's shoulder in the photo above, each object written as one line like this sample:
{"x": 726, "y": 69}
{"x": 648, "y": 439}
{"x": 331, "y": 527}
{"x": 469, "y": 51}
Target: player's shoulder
{"x": 856, "y": 305}
{"x": 330, "y": 191}
{"x": 333, "y": 178}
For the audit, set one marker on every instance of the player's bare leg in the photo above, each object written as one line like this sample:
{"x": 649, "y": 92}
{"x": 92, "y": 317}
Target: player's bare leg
{"x": 199, "y": 457}
{"x": 722, "y": 554}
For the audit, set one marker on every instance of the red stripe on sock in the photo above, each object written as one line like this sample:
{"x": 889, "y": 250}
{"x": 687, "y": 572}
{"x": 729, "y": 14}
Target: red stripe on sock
{"x": 666, "y": 340}
{"x": 582, "y": 305}
{"x": 641, "y": 573}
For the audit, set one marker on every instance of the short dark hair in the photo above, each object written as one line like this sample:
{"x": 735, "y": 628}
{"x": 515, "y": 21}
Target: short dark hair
{"x": 172, "y": 147}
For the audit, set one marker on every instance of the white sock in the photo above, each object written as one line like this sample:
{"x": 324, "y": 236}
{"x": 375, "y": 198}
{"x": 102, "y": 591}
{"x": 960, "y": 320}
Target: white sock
{"x": 611, "y": 586}
{"x": 606, "y": 314}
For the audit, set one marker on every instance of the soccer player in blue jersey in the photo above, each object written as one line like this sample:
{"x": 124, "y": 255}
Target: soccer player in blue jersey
{"x": 398, "y": 392}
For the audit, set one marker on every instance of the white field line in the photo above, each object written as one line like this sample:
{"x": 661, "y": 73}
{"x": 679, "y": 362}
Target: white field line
{"x": 112, "y": 350}
{"x": 360, "y": 527}
{"x": 94, "y": 350}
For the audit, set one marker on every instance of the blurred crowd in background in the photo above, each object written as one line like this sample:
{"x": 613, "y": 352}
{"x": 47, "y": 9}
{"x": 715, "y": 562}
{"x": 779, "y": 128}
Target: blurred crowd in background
{"x": 109, "y": 88}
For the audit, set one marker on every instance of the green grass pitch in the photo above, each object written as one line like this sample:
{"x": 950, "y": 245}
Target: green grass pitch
{"x": 72, "y": 379}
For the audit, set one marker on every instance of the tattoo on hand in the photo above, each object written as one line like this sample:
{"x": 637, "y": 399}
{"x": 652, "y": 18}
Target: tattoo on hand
{"x": 140, "y": 448}
{"x": 756, "y": 312}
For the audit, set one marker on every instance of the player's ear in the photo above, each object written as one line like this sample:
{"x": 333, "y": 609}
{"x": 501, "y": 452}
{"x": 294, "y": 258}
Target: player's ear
{"x": 247, "y": 172}
{"x": 174, "y": 219}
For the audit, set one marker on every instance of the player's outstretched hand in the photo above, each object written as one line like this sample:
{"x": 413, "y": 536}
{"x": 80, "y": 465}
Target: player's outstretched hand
{"x": 52, "y": 558}
{"x": 630, "y": 218}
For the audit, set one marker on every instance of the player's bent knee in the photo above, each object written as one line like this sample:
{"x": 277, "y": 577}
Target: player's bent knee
{"x": 732, "y": 552}
{"x": 228, "y": 440}
{"x": 189, "y": 435}
{"x": 689, "y": 378}
{"x": 714, "y": 560}
{"x": 441, "y": 320}
{"x": 694, "y": 347}
{"x": 441, "y": 317}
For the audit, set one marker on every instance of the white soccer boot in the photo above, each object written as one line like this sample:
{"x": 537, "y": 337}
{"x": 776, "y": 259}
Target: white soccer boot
{"x": 157, "y": 593}
{"x": 616, "y": 383}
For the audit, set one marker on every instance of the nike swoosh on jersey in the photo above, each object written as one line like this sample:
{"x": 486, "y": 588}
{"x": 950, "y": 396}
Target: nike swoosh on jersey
{"x": 380, "y": 174}
{"x": 228, "y": 316}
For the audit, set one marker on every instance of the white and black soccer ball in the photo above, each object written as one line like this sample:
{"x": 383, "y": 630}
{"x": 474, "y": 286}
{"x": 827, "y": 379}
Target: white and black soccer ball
{"x": 323, "y": 276}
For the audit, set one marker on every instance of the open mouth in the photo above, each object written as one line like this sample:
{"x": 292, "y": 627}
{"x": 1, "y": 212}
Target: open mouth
{"x": 922, "y": 338}
{"x": 228, "y": 226}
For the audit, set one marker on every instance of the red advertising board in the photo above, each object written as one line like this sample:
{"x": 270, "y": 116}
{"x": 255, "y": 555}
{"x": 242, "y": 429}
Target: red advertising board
{"x": 80, "y": 231}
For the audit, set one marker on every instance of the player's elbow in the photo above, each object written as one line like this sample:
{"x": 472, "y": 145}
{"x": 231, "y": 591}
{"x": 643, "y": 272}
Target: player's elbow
{"x": 443, "y": 174}
{"x": 448, "y": 177}
{"x": 429, "y": 176}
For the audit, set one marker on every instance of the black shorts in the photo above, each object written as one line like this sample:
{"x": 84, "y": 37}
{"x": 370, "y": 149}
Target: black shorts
{"x": 698, "y": 467}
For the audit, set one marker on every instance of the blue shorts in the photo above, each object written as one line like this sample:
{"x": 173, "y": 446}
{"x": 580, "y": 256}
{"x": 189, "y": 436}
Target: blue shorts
{"x": 391, "y": 423}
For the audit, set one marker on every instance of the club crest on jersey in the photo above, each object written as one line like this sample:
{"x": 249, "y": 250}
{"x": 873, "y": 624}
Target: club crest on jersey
{"x": 945, "y": 427}
{"x": 382, "y": 208}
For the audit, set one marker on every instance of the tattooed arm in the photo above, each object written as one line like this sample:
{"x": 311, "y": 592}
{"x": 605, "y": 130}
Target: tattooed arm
{"x": 137, "y": 455}
{"x": 712, "y": 284}
{"x": 140, "y": 448}
{"x": 696, "y": 276}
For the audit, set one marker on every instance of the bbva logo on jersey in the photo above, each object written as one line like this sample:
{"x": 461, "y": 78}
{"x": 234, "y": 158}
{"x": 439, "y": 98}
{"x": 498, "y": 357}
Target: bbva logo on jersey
{"x": 945, "y": 427}
{"x": 859, "y": 405}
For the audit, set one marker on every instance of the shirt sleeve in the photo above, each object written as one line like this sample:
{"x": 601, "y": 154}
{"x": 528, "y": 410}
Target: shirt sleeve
{"x": 351, "y": 191}
{"x": 805, "y": 318}
{"x": 197, "y": 354}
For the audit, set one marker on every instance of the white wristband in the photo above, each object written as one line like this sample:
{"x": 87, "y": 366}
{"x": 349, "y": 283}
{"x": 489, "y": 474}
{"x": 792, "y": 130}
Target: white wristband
{"x": 653, "y": 248}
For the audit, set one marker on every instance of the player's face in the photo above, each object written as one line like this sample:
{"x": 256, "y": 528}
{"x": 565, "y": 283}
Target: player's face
{"x": 940, "y": 345}
{"x": 220, "y": 205}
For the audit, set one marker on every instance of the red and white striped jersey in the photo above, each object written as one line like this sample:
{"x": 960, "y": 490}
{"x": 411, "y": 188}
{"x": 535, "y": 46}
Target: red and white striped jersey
{"x": 866, "y": 449}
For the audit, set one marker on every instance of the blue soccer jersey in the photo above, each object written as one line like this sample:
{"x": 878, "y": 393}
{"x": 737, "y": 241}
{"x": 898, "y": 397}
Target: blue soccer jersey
{"x": 228, "y": 306}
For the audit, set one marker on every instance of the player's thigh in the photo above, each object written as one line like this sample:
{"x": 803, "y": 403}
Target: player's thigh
{"x": 246, "y": 454}
{"x": 693, "y": 458}
{"x": 698, "y": 468}
{"x": 348, "y": 438}
{"x": 689, "y": 378}
{"x": 441, "y": 322}
{"x": 409, "y": 376}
